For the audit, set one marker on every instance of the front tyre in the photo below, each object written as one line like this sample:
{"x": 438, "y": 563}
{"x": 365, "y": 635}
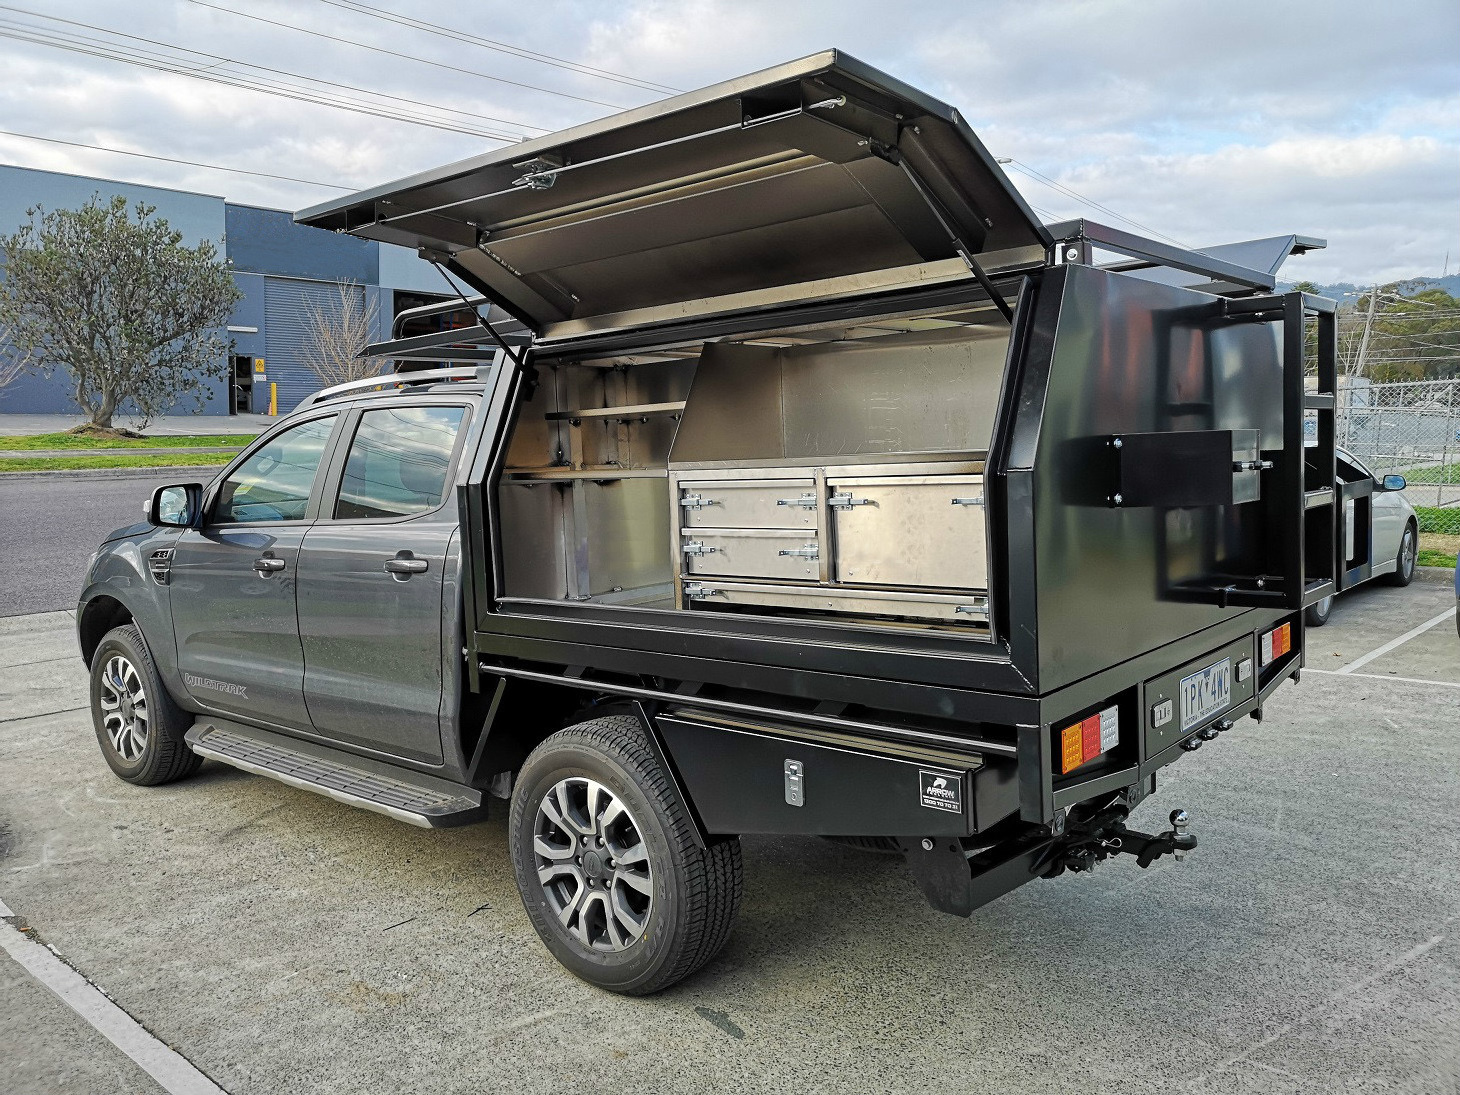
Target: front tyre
{"x": 607, "y": 862}
{"x": 138, "y": 726}
{"x": 1408, "y": 555}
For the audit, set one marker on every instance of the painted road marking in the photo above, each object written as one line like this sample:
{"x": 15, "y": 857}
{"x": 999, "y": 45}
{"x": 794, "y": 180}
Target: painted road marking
{"x": 1393, "y": 644}
{"x": 1382, "y": 677}
{"x": 169, "y": 1069}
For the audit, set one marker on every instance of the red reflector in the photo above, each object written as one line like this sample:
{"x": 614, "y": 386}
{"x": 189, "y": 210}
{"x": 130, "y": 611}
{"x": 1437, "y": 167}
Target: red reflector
{"x": 1090, "y": 737}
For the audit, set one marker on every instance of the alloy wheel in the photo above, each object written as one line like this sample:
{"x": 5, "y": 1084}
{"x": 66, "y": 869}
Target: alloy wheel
{"x": 124, "y": 708}
{"x": 593, "y": 864}
{"x": 1406, "y": 554}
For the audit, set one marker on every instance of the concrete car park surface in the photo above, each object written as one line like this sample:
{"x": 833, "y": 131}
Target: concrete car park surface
{"x": 285, "y": 942}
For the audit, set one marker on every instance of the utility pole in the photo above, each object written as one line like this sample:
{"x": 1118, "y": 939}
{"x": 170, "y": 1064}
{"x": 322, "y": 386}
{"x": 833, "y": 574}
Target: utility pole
{"x": 1358, "y": 369}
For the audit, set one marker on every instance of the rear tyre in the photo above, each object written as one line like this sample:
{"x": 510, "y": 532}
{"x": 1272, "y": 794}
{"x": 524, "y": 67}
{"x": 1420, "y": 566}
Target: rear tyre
{"x": 1316, "y": 614}
{"x": 607, "y": 862}
{"x": 138, "y": 726}
{"x": 1405, "y": 560}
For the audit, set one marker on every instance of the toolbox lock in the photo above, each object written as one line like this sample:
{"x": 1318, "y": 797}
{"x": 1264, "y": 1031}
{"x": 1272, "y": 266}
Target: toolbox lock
{"x": 698, "y": 547}
{"x": 1251, "y": 465}
{"x": 696, "y": 501}
{"x": 844, "y": 501}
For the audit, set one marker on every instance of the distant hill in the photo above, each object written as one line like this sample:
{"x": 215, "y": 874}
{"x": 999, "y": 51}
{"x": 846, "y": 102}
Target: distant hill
{"x": 1407, "y": 287}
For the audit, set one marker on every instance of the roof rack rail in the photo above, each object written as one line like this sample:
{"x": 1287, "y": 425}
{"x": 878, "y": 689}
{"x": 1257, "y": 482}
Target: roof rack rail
{"x": 395, "y": 380}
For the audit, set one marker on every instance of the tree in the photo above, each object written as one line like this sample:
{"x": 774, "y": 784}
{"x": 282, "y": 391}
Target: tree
{"x": 119, "y": 303}
{"x": 336, "y": 335}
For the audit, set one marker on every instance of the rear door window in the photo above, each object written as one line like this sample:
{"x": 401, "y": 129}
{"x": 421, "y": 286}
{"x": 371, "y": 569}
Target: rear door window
{"x": 399, "y": 462}
{"x": 274, "y": 483}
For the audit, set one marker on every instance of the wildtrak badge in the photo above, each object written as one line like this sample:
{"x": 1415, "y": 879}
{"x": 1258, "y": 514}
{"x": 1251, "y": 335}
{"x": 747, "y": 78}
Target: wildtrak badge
{"x": 241, "y": 691}
{"x": 941, "y": 790}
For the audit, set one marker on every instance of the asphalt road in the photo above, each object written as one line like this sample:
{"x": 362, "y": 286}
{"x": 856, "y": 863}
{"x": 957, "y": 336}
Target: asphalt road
{"x": 285, "y": 942}
{"x": 50, "y": 525}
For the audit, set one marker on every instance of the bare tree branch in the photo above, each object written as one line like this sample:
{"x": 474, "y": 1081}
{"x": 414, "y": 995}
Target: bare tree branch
{"x": 13, "y": 360}
{"x": 336, "y": 335}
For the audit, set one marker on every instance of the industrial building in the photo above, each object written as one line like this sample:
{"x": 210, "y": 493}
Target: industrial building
{"x": 280, "y": 267}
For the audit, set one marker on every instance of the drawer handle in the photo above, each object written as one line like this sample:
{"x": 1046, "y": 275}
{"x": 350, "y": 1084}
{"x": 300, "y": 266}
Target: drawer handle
{"x": 810, "y": 551}
{"x": 806, "y": 501}
{"x": 697, "y": 547}
{"x": 977, "y": 500}
{"x": 843, "y": 501}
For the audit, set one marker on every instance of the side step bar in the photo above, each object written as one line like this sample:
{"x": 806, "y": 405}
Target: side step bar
{"x": 408, "y": 796}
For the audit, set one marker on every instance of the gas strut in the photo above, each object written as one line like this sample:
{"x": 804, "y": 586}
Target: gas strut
{"x": 1090, "y": 840}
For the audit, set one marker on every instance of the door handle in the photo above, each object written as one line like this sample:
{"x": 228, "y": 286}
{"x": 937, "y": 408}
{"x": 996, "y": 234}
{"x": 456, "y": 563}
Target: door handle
{"x": 405, "y": 566}
{"x": 267, "y": 564}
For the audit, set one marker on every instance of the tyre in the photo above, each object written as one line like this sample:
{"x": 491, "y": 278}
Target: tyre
{"x": 138, "y": 726}
{"x": 1316, "y": 614}
{"x": 1405, "y": 560}
{"x": 607, "y": 862}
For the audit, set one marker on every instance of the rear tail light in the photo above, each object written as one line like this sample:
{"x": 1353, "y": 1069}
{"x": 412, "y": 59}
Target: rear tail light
{"x": 1274, "y": 644}
{"x": 1083, "y": 741}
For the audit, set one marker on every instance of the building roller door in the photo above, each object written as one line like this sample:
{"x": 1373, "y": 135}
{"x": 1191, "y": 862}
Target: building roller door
{"x": 287, "y": 303}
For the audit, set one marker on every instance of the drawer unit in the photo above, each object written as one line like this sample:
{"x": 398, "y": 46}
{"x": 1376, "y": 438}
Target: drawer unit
{"x": 788, "y": 554}
{"x": 748, "y": 503}
{"x": 922, "y": 531}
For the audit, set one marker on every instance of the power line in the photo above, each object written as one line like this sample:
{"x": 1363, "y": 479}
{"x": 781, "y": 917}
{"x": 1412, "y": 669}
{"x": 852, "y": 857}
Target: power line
{"x": 213, "y": 73}
{"x": 171, "y": 159}
{"x": 501, "y": 47}
{"x": 185, "y": 66}
{"x": 1069, "y": 193}
{"x": 408, "y": 56}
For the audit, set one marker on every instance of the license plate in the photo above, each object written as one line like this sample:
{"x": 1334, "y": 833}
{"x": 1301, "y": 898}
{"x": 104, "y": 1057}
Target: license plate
{"x": 1206, "y": 692}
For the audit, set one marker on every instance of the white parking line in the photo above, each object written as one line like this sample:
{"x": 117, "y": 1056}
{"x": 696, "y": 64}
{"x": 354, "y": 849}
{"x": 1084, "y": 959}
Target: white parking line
{"x": 1383, "y": 677}
{"x": 169, "y": 1069}
{"x": 1393, "y": 644}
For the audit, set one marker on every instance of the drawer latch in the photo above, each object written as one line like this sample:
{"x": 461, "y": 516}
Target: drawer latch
{"x": 810, "y": 551}
{"x": 846, "y": 501}
{"x": 698, "y": 547}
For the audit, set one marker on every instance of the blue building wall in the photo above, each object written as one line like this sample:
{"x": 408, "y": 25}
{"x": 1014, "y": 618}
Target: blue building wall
{"x": 264, "y": 247}
{"x": 198, "y": 217}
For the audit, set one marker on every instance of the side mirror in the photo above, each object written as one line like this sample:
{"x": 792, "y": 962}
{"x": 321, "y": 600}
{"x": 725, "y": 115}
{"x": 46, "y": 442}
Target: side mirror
{"x": 1393, "y": 482}
{"x": 176, "y": 507}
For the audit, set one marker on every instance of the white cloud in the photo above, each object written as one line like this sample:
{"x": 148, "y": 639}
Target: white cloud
{"x": 1206, "y": 121}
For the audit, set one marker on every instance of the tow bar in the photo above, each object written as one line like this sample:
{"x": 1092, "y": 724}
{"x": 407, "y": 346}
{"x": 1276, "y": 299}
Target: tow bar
{"x": 958, "y": 876}
{"x": 1103, "y": 835}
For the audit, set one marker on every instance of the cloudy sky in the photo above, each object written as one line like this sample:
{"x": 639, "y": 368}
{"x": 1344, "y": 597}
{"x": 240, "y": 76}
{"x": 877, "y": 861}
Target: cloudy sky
{"x": 1205, "y": 122}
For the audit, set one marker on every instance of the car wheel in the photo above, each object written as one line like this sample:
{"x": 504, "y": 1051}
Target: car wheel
{"x": 1405, "y": 560}
{"x": 1316, "y": 614}
{"x": 138, "y": 726}
{"x": 608, "y": 864}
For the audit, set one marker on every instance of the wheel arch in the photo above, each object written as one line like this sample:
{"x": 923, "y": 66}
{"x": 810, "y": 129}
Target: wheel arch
{"x": 97, "y": 617}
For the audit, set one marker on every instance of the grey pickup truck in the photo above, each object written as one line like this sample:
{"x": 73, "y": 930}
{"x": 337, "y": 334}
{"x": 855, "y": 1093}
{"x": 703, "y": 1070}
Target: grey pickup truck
{"x": 773, "y": 470}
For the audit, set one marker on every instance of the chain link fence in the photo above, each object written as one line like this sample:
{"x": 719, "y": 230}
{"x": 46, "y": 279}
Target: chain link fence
{"x": 1410, "y": 429}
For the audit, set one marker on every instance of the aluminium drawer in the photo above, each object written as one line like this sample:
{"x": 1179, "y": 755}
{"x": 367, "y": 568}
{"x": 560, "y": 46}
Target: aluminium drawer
{"x": 748, "y": 503}
{"x": 914, "y": 530}
{"x": 791, "y": 554}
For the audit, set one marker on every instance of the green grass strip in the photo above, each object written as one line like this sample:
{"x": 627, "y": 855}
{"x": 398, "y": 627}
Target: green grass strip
{"x": 45, "y": 441}
{"x": 1430, "y": 558}
{"x": 113, "y": 460}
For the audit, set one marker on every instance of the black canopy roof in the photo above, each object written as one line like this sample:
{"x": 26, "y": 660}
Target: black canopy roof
{"x": 818, "y": 177}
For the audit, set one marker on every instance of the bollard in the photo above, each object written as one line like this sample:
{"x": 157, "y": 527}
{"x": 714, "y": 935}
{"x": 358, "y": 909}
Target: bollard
{"x": 273, "y": 399}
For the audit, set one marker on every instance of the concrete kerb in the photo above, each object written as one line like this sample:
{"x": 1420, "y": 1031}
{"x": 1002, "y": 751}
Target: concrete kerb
{"x": 182, "y": 472}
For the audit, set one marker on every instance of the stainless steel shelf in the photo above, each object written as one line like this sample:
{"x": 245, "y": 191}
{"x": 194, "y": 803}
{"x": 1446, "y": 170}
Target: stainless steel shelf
{"x": 617, "y": 414}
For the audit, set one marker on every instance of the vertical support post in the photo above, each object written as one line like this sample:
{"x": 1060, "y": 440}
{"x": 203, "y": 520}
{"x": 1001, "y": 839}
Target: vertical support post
{"x": 1291, "y": 471}
{"x": 273, "y": 399}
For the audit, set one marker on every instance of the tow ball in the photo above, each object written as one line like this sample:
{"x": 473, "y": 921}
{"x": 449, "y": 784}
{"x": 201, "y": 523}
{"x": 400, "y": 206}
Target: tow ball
{"x": 1090, "y": 840}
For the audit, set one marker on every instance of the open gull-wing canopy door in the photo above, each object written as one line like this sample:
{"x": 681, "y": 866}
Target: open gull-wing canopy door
{"x": 818, "y": 178}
